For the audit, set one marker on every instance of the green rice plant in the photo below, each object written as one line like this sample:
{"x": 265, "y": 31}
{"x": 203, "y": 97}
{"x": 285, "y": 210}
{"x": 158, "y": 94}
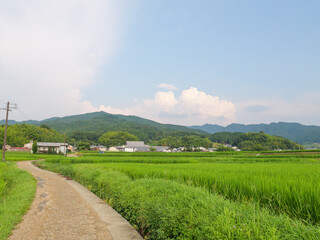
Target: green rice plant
{"x": 24, "y": 156}
{"x": 116, "y": 159}
{"x": 166, "y": 209}
{"x": 285, "y": 188}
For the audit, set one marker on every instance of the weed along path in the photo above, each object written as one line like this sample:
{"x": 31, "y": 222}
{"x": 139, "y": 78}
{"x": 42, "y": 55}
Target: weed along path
{"x": 64, "y": 209}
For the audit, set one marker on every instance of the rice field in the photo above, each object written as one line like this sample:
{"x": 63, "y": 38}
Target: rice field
{"x": 182, "y": 196}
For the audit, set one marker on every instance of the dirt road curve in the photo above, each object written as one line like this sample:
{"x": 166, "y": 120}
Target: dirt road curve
{"x": 63, "y": 209}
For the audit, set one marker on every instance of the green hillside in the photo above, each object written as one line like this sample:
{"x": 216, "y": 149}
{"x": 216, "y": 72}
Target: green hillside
{"x": 89, "y": 127}
{"x": 255, "y": 141}
{"x": 294, "y": 131}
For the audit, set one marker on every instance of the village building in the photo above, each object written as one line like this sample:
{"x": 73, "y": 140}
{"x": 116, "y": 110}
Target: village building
{"x": 28, "y": 145}
{"x": 136, "y": 146}
{"x": 115, "y": 149}
{"x": 49, "y": 147}
{"x": 98, "y": 148}
{"x": 16, "y": 149}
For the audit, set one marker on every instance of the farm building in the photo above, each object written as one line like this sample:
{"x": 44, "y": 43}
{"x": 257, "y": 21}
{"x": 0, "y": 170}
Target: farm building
{"x": 98, "y": 148}
{"x": 46, "y": 147}
{"x": 17, "y": 149}
{"x": 116, "y": 149}
{"x": 136, "y": 146}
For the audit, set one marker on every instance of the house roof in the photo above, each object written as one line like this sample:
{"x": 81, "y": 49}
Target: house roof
{"x": 21, "y": 148}
{"x": 142, "y": 149}
{"x": 135, "y": 144}
{"x": 160, "y": 148}
{"x": 50, "y": 144}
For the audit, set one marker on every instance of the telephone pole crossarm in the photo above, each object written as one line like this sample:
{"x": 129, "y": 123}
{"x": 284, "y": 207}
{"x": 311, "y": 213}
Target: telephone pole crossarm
{"x": 8, "y": 108}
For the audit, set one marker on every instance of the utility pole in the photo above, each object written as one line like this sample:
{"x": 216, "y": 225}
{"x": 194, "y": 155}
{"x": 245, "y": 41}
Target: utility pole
{"x": 65, "y": 152}
{"x": 6, "y": 127}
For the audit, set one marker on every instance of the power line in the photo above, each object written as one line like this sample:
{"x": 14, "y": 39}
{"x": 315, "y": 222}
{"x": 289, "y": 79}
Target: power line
{"x": 8, "y": 109}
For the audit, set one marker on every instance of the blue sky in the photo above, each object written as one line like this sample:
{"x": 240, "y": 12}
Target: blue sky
{"x": 182, "y": 62}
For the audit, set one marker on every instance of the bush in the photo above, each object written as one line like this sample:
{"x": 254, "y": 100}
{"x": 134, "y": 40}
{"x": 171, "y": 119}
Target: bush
{"x": 35, "y": 147}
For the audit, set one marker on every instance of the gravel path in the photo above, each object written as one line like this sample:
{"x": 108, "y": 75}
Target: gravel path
{"x": 63, "y": 209}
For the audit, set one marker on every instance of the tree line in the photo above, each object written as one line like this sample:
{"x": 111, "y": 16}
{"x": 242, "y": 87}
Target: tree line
{"x": 19, "y": 134}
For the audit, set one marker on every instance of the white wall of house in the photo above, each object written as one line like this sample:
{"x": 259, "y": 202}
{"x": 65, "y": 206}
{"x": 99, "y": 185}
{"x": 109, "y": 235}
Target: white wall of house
{"x": 129, "y": 149}
{"x": 113, "y": 149}
{"x": 61, "y": 149}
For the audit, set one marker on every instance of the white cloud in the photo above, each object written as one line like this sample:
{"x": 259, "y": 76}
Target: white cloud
{"x": 191, "y": 107}
{"x": 304, "y": 108}
{"x": 167, "y": 86}
{"x": 50, "y": 50}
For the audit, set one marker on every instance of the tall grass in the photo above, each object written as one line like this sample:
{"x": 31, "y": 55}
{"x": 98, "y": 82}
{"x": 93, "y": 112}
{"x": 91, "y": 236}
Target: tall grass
{"x": 16, "y": 194}
{"x": 166, "y": 209}
{"x": 293, "y": 189}
{"x": 3, "y": 181}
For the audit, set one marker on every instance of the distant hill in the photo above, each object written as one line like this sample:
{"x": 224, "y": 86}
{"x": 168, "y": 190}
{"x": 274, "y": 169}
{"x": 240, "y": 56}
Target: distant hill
{"x": 294, "y": 131}
{"x": 91, "y": 126}
{"x": 100, "y": 122}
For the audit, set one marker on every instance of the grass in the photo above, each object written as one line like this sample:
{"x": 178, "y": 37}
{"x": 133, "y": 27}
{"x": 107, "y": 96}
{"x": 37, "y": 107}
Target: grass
{"x": 284, "y": 184}
{"x": 285, "y": 188}
{"x": 166, "y": 209}
{"x": 227, "y": 195}
{"x": 27, "y": 156}
{"x": 17, "y": 190}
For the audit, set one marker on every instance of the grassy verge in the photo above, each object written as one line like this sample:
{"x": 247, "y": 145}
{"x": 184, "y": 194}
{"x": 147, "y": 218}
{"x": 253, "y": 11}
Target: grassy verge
{"x": 17, "y": 190}
{"x": 164, "y": 209}
{"x": 285, "y": 188}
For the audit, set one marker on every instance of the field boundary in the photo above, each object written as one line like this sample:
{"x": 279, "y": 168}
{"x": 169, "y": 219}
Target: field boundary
{"x": 119, "y": 227}
{"x": 113, "y": 223}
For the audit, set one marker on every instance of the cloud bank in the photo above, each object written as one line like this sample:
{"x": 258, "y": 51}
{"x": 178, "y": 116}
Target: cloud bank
{"x": 304, "y": 108}
{"x": 191, "y": 107}
{"x": 50, "y": 50}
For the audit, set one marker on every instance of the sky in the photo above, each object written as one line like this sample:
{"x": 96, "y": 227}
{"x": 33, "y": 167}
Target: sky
{"x": 173, "y": 61}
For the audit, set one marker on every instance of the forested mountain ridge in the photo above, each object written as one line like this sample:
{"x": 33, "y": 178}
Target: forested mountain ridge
{"x": 294, "y": 131}
{"x": 89, "y": 127}
{"x": 93, "y": 125}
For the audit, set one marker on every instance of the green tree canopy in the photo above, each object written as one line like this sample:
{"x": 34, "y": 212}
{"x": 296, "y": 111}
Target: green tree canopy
{"x": 20, "y": 134}
{"x": 255, "y": 141}
{"x": 116, "y": 138}
{"x": 185, "y": 141}
{"x": 83, "y": 146}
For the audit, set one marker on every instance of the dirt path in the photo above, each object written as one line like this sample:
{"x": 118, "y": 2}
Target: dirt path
{"x": 63, "y": 209}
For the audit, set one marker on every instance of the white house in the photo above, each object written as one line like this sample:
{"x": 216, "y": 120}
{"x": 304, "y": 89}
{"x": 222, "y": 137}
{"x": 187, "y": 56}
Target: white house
{"x": 113, "y": 149}
{"x": 99, "y": 148}
{"x": 45, "y": 147}
{"x": 136, "y": 146}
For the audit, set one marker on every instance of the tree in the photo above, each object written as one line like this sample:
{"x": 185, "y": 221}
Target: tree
{"x": 35, "y": 147}
{"x": 116, "y": 138}
{"x": 45, "y": 126}
{"x": 83, "y": 146}
{"x": 152, "y": 149}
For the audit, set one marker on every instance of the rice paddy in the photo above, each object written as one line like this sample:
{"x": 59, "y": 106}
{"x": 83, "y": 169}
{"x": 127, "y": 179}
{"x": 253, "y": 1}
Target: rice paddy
{"x": 267, "y": 195}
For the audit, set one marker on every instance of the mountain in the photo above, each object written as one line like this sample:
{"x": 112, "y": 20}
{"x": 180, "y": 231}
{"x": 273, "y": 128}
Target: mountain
{"x": 91, "y": 126}
{"x": 296, "y": 132}
{"x": 97, "y": 123}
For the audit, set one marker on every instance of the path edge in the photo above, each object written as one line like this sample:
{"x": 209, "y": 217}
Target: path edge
{"x": 119, "y": 227}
